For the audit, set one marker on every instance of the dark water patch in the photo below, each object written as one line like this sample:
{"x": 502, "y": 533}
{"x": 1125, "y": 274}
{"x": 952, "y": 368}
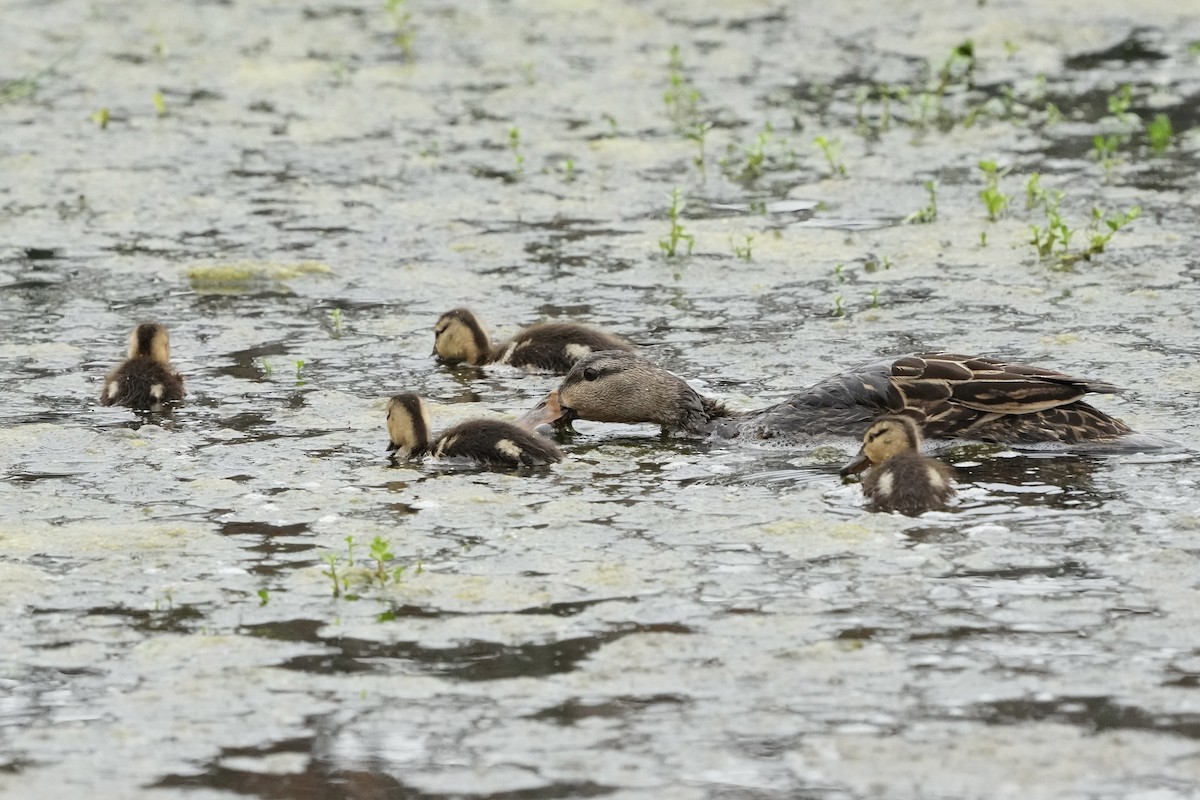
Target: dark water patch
{"x": 1141, "y": 45}
{"x": 1072, "y": 569}
{"x": 1096, "y": 714}
{"x": 958, "y": 633}
{"x": 473, "y": 660}
{"x": 173, "y": 619}
{"x": 570, "y": 609}
{"x": 29, "y": 477}
{"x": 576, "y": 710}
{"x": 322, "y": 779}
{"x": 263, "y": 529}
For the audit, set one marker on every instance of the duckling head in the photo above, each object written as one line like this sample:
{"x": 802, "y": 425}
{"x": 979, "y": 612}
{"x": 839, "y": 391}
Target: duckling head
{"x": 407, "y": 424}
{"x": 616, "y": 386}
{"x": 150, "y": 340}
{"x": 888, "y": 436}
{"x": 460, "y": 336}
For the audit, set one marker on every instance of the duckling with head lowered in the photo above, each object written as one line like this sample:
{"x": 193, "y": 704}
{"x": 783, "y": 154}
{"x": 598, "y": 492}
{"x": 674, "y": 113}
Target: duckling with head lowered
{"x": 491, "y": 442}
{"x": 546, "y": 347}
{"x": 145, "y": 381}
{"x": 953, "y": 396}
{"x": 900, "y": 478}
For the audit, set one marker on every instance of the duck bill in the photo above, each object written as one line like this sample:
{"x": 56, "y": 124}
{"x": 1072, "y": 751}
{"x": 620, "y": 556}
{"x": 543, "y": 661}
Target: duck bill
{"x": 547, "y": 412}
{"x": 856, "y": 465}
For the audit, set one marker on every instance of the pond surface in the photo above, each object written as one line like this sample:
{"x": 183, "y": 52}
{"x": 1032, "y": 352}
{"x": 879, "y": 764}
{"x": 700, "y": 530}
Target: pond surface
{"x": 298, "y": 190}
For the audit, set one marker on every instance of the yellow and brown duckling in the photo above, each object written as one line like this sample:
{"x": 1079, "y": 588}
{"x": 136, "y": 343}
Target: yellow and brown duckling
{"x": 491, "y": 442}
{"x": 145, "y": 381}
{"x": 900, "y": 478}
{"x": 552, "y": 347}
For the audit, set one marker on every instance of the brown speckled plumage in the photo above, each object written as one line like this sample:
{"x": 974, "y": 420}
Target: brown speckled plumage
{"x": 951, "y": 396}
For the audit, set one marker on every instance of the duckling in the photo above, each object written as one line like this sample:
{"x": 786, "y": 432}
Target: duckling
{"x": 546, "y": 347}
{"x": 955, "y": 397}
{"x": 901, "y": 479}
{"x": 145, "y": 381}
{"x": 491, "y": 442}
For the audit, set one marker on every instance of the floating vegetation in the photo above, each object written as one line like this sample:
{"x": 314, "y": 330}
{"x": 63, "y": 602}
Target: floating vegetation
{"x": 243, "y": 276}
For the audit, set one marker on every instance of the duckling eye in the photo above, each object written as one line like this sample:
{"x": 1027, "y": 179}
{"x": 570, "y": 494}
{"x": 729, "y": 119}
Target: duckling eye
{"x": 591, "y": 374}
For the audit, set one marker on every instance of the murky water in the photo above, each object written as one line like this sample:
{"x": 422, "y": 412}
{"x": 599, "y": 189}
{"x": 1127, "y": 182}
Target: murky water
{"x": 654, "y": 617}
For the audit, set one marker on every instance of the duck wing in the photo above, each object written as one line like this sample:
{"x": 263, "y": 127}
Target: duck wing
{"x": 953, "y": 396}
{"x": 987, "y": 398}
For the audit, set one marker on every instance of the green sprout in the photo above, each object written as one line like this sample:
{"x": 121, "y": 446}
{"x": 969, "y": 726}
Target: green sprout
{"x": 335, "y": 319}
{"x": 514, "y": 144}
{"x": 699, "y": 133}
{"x": 264, "y": 597}
{"x": 101, "y": 117}
{"x": 160, "y": 105}
{"x": 838, "y": 310}
{"x": 928, "y": 213}
{"x": 401, "y": 18}
{"x": 677, "y": 234}
{"x": 1099, "y": 239}
{"x": 875, "y": 297}
{"x": 1160, "y": 133}
{"x": 995, "y": 201}
{"x": 332, "y": 560}
{"x": 381, "y": 552}
{"x": 958, "y": 66}
{"x": 681, "y": 98}
{"x": 742, "y": 251}
{"x": 1034, "y": 193}
{"x": 300, "y": 372}
{"x": 568, "y": 170}
{"x": 831, "y": 149}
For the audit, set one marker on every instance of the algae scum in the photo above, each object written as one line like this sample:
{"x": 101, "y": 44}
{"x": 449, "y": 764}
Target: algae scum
{"x": 756, "y": 194}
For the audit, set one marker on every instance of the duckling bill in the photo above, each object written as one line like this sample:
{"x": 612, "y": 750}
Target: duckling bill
{"x": 900, "y": 478}
{"x": 546, "y": 347}
{"x": 489, "y": 442}
{"x": 145, "y": 381}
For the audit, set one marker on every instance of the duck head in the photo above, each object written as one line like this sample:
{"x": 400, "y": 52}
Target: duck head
{"x": 460, "y": 336}
{"x": 408, "y": 425}
{"x": 150, "y": 340}
{"x": 616, "y": 386}
{"x": 888, "y": 436}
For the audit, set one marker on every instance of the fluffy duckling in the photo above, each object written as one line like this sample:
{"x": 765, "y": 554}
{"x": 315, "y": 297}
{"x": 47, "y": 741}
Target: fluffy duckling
{"x": 546, "y": 347}
{"x": 901, "y": 479}
{"x": 491, "y": 442}
{"x": 145, "y": 381}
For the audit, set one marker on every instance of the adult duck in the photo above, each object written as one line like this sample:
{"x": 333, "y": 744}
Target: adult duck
{"x": 950, "y": 396}
{"x": 552, "y": 347}
{"x": 900, "y": 478}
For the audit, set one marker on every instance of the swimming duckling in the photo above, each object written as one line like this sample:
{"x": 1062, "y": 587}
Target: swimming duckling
{"x": 901, "y": 479}
{"x": 145, "y": 380}
{"x": 491, "y": 442}
{"x": 546, "y": 347}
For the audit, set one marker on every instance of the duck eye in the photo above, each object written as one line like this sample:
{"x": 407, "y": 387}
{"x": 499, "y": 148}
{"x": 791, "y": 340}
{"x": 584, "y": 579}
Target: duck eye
{"x": 591, "y": 374}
